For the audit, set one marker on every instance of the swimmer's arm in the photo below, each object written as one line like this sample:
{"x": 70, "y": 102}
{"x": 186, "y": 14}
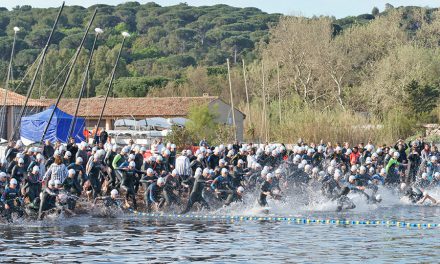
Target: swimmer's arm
{"x": 427, "y": 197}
{"x": 152, "y": 197}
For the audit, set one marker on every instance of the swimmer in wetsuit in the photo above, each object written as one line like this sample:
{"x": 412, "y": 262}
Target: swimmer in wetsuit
{"x": 266, "y": 190}
{"x": 110, "y": 201}
{"x": 416, "y": 195}
{"x": 196, "y": 193}
{"x": 10, "y": 199}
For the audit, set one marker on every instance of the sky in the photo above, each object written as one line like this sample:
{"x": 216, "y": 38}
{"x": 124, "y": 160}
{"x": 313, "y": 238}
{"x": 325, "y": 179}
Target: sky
{"x": 337, "y": 8}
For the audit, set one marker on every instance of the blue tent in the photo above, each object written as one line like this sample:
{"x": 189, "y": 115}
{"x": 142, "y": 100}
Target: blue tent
{"x": 32, "y": 127}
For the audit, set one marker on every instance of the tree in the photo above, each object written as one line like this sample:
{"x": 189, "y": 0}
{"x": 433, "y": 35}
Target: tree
{"x": 137, "y": 86}
{"x": 202, "y": 122}
{"x": 421, "y": 98}
{"x": 375, "y": 11}
{"x": 388, "y": 6}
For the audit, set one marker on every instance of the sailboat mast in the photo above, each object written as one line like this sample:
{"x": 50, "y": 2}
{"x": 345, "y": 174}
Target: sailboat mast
{"x": 69, "y": 73}
{"x": 31, "y": 86}
{"x": 9, "y": 77}
{"x": 124, "y": 35}
{"x": 84, "y": 82}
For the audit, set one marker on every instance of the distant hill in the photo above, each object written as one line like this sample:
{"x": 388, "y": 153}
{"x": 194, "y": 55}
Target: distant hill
{"x": 164, "y": 40}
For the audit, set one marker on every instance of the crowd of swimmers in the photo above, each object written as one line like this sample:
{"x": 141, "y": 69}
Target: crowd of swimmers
{"x": 54, "y": 178}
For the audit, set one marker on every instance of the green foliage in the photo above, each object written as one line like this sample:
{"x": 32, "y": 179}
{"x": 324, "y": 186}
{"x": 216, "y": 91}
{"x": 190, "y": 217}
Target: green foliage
{"x": 421, "y": 98}
{"x": 217, "y": 70}
{"x": 375, "y": 11}
{"x": 180, "y": 136}
{"x": 136, "y": 86}
{"x": 202, "y": 124}
{"x": 164, "y": 41}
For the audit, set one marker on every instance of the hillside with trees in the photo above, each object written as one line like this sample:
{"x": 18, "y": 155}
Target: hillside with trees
{"x": 373, "y": 76}
{"x": 164, "y": 42}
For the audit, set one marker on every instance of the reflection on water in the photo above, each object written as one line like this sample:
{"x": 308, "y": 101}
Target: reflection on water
{"x": 130, "y": 239}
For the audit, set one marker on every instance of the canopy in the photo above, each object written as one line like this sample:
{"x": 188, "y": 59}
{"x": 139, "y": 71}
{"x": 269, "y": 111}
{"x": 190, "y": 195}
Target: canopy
{"x": 157, "y": 122}
{"x": 32, "y": 127}
{"x": 125, "y": 123}
{"x": 180, "y": 121}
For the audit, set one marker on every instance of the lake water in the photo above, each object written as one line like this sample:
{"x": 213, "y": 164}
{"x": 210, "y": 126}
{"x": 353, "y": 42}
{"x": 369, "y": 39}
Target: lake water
{"x": 135, "y": 239}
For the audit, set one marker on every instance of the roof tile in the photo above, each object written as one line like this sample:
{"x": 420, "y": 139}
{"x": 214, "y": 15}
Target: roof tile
{"x": 129, "y": 106}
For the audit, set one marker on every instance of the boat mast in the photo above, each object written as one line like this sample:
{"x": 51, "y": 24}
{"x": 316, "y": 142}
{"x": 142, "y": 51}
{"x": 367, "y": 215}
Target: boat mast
{"x": 84, "y": 82}
{"x": 31, "y": 86}
{"x": 124, "y": 35}
{"x": 9, "y": 77}
{"x": 69, "y": 73}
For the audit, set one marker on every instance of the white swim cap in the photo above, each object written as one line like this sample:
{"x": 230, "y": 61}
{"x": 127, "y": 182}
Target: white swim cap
{"x": 330, "y": 170}
{"x": 13, "y": 181}
{"x": 269, "y": 176}
{"x": 353, "y": 168}
{"x": 72, "y": 172}
{"x": 79, "y": 160}
{"x": 307, "y": 168}
{"x": 132, "y": 164}
{"x": 402, "y": 186}
{"x": 240, "y": 189}
{"x": 35, "y": 169}
{"x": 160, "y": 180}
{"x": 114, "y": 192}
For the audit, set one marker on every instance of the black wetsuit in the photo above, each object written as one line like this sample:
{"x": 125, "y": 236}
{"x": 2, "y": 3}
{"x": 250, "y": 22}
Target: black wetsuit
{"x": 172, "y": 185}
{"x": 265, "y": 187}
{"x": 108, "y": 201}
{"x": 72, "y": 186}
{"x": 233, "y": 197}
{"x": 94, "y": 177}
{"x": 48, "y": 201}
{"x": 196, "y": 195}
{"x": 414, "y": 194}
{"x": 128, "y": 180}
{"x": 154, "y": 195}
{"x": 11, "y": 197}
{"x": 79, "y": 169}
{"x": 18, "y": 173}
{"x": 32, "y": 186}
